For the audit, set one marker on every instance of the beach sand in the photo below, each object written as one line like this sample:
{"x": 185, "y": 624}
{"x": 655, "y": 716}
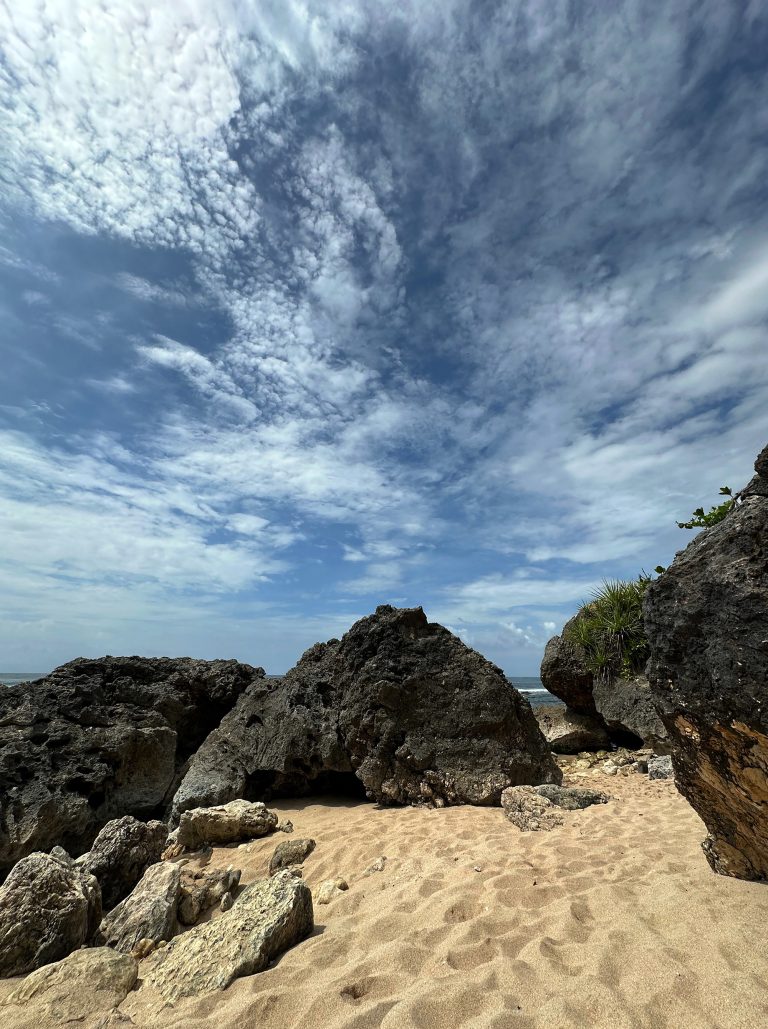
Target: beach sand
{"x": 613, "y": 920}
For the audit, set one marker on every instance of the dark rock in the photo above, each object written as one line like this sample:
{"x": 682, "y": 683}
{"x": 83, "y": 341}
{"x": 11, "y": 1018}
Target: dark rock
{"x": 565, "y": 674}
{"x": 98, "y": 739}
{"x": 291, "y": 852}
{"x": 660, "y": 767}
{"x": 147, "y": 913}
{"x": 569, "y": 733}
{"x": 48, "y": 908}
{"x": 626, "y": 706}
{"x": 706, "y": 619}
{"x": 571, "y": 798}
{"x": 398, "y": 705}
{"x": 121, "y": 853}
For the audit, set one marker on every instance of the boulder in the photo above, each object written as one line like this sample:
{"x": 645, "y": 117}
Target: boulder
{"x": 569, "y": 733}
{"x": 48, "y": 908}
{"x": 399, "y": 710}
{"x": 565, "y": 674}
{"x": 660, "y": 767}
{"x": 571, "y": 798}
{"x": 706, "y": 618}
{"x": 266, "y": 919}
{"x": 291, "y": 852}
{"x": 121, "y": 853}
{"x": 226, "y": 823}
{"x": 147, "y": 913}
{"x": 97, "y": 739}
{"x": 627, "y": 708}
{"x": 200, "y": 891}
{"x": 532, "y": 808}
{"x": 75, "y": 991}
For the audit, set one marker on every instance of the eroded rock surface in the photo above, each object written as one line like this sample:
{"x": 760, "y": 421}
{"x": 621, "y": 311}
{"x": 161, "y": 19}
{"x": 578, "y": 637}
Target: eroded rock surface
{"x": 121, "y": 853}
{"x": 565, "y": 674}
{"x": 201, "y": 891}
{"x": 532, "y": 808}
{"x": 706, "y": 619}
{"x": 567, "y": 732}
{"x": 149, "y": 912}
{"x": 225, "y": 823}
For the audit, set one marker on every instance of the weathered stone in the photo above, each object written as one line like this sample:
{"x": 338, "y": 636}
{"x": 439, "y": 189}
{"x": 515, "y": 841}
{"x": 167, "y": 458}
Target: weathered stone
{"x": 291, "y": 852}
{"x": 226, "y": 902}
{"x": 376, "y": 866}
{"x": 121, "y": 853}
{"x": 706, "y": 618}
{"x": 571, "y": 798}
{"x": 399, "y": 709}
{"x": 75, "y": 991}
{"x": 528, "y": 810}
{"x": 565, "y": 674}
{"x": 226, "y": 823}
{"x": 202, "y": 890}
{"x": 330, "y": 889}
{"x": 626, "y": 706}
{"x": 266, "y": 919}
{"x": 147, "y": 913}
{"x": 97, "y": 739}
{"x": 567, "y": 732}
{"x": 48, "y": 908}
{"x": 285, "y": 825}
{"x": 660, "y": 767}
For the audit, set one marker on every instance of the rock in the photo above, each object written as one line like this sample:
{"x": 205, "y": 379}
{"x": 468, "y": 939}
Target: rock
{"x": 77, "y": 990}
{"x": 660, "y": 767}
{"x": 202, "y": 890}
{"x": 226, "y": 823}
{"x": 399, "y": 709}
{"x": 609, "y": 768}
{"x": 143, "y": 949}
{"x": 266, "y": 919}
{"x": 571, "y": 798}
{"x": 567, "y": 732}
{"x": 626, "y": 706}
{"x": 48, "y": 908}
{"x": 292, "y": 852}
{"x": 706, "y": 618}
{"x": 97, "y": 739}
{"x": 147, "y": 913}
{"x": 377, "y": 866}
{"x": 529, "y": 811}
{"x": 331, "y": 889}
{"x": 565, "y": 674}
{"x": 285, "y": 825}
{"x": 121, "y": 853}
{"x": 226, "y": 902}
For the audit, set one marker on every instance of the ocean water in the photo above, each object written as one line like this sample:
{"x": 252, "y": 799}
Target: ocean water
{"x": 11, "y": 678}
{"x": 531, "y": 687}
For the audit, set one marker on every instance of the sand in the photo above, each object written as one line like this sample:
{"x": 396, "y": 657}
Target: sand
{"x": 613, "y": 920}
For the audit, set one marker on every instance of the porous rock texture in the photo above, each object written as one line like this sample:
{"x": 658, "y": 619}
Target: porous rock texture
{"x": 48, "y": 908}
{"x": 97, "y": 739}
{"x": 569, "y": 733}
{"x": 399, "y": 708}
{"x": 147, "y": 913}
{"x": 121, "y": 853}
{"x": 267, "y": 918}
{"x": 202, "y": 890}
{"x": 225, "y": 823}
{"x": 532, "y": 808}
{"x": 565, "y": 674}
{"x": 706, "y": 618}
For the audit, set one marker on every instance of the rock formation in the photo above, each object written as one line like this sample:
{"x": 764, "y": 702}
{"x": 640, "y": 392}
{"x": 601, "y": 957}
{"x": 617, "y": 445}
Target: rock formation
{"x": 568, "y": 733}
{"x": 289, "y": 853}
{"x": 121, "y": 853}
{"x": 201, "y": 890}
{"x": 707, "y": 623}
{"x": 147, "y": 913}
{"x": 399, "y": 708}
{"x": 97, "y": 739}
{"x": 532, "y": 808}
{"x": 226, "y": 823}
{"x": 565, "y": 674}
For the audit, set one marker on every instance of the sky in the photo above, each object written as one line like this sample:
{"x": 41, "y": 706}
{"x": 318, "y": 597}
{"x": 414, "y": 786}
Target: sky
{"x": 307, "y": 307}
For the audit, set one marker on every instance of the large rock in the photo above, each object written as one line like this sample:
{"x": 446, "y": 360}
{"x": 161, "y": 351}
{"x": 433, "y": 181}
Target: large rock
{"x": 569, "y": 733}
{"x": 627, "y": 708}
{"x": 48, "y": 908}
{"x": 121, "y": 853}
{"x": 266, "y": 919}
{"x": 399, "y": 705}
{"x": 225, "y": 823}
{"x": 147, "y": 913}
{"x": 74, "y": 991}
{"x": 564, "y": 671}
{"x": 97, "y": 739}
{"x": 707, "y": 623}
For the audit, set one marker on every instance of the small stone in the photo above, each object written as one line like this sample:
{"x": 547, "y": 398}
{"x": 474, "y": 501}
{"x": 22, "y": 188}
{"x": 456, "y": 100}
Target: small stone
{"x": 285, "y": 825}
{"x": 143, "y": 949}
{"x": 226, "y": 902}
{"x": 609, "y": 768}
{"x": 478, "y": 868}
{"x": 290, "y": 852}
{"x": 377, "y": 866}
{"x": 331, "y": 889}
{"x": 660, "y": 767}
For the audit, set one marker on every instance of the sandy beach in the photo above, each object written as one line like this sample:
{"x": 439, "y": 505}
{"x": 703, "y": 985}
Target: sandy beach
{"x": 613, "y": 920}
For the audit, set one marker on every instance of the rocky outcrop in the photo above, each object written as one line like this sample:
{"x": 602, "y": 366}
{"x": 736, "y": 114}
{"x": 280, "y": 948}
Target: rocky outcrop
{"x": 626, "y": 706}
{"x": 533, "y": 808}
{"x": 565, "y": 674}
{"x": 569, "y": 733}
{"x": 97, "y": 739}
{"x": 399, "y": 709}
{"x": 48, "y": 908}
{"x": 147, "y": 913}
{"x": 706, "y": 619}
{"x": 266, "y": 919}
{"x": 201, "y": 891}
{"x": 289, "y": 853}
{"x": 226, "y": 823}
{"x": 121, "y": 853}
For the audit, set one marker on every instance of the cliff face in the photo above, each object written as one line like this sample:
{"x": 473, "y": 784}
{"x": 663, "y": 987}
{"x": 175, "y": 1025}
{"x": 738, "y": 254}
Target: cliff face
{"x": 707, "y": 623}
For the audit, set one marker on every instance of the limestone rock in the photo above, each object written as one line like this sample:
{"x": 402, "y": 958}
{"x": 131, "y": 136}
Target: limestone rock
{"x": 660, "y": 767}
{"x": 529, "y": 811}
{"x": 75, "y": 991}
{"x": 203, "y": 890}
{"x": 121, "y": 853}
{"x": 147, "y": 913}
{"x": 706, "y": 619}
{"x": 565, "y": 674}
{"x": 571, "y": 798}
{"x": 266, "y": 919}
{"x": 48, "y": 908}
{"x": 97, "y": 739}
{"x": 567, "y": 732}
{"x": 226, "y": 823}
{"x": 291, "y": 852}
{"x": 626, "y": 706}
{"x": 331, "y": 889}
{"x": 399, "y": 708}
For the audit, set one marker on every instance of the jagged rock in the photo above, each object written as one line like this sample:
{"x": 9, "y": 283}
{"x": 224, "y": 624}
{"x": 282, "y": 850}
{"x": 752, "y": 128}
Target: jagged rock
{"x": 77, "y": 990}
{"x": 529, "y": 811}
{"x": 226, "y": 823}
{"x": 202, "y": 890}
{"x": 121, "y": 853}
{"x": 97, "y": 739}
{"x": 706, "y": 618}
{"x": 399, "y": 705}
{"x": 565, "y": 674}
{"x": 48, "y": 908}
{"x": 571, "y": 798}
{"x": 567, "y": 732}
{"x": 266, "y": 919}
{"x": 285, "y": 825}
{"x": 331, "y": 889}
{"x": 660, "y": 767}
{"x": 147, "y": 913}
{"x": 291, "y": 852}
{"x": 626, "y": 706}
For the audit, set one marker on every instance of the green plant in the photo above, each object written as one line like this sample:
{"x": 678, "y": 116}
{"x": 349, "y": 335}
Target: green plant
{"x": 702, "y": 519}
{"x": 610, "y": 629}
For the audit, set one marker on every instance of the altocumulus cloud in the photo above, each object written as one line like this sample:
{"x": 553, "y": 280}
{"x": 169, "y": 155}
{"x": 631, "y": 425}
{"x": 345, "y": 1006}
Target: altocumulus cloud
{"x": 306, "y": 307}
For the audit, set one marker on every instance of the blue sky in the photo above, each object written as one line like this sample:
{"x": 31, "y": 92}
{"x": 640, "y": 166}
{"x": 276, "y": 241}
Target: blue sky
{"x": 311, "y": 306}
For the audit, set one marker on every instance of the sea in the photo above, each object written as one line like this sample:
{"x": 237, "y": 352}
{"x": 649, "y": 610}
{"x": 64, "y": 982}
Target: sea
{"x": 11, "y": 678}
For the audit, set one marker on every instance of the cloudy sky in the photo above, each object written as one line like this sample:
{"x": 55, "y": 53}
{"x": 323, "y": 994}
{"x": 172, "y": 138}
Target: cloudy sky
{"x": 311, "y": 305}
